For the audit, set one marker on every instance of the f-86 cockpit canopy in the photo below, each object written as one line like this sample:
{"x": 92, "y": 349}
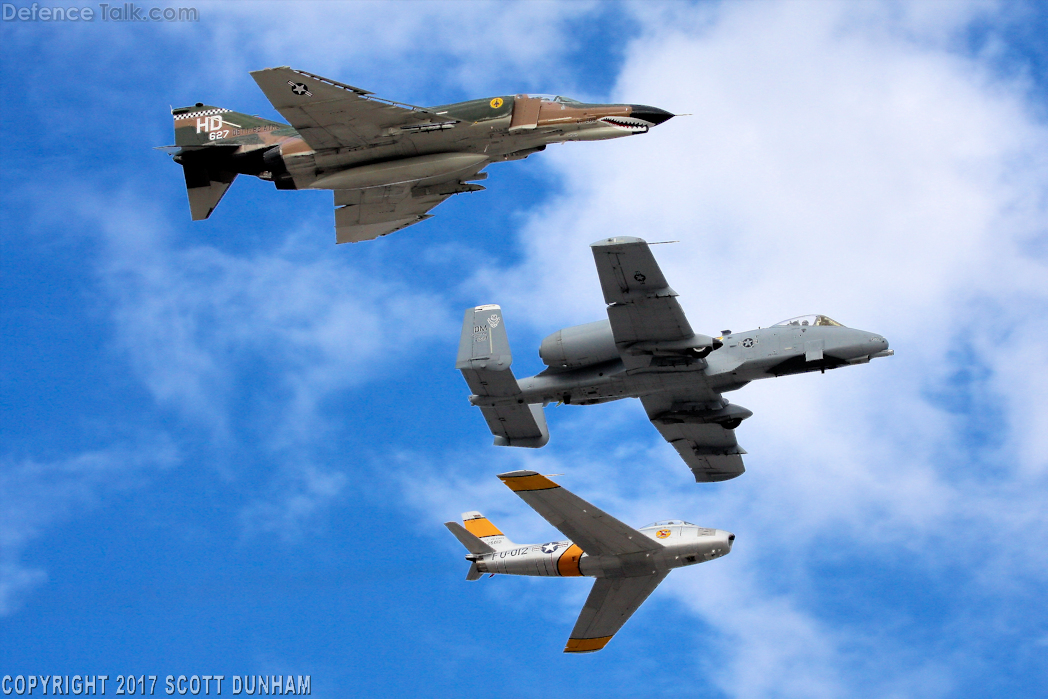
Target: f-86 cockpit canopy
{"x": 811, "y": 319}
{"x": 668, "y": 523}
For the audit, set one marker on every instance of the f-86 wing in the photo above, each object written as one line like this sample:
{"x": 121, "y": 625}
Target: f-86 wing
{"x": 329, "y": 114}
{"x": 593, "y": 530}
{"x": 610, "y": 604}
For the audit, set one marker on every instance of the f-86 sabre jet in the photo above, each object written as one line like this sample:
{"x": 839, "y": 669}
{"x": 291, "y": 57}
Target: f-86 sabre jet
{"x": 387, "y": 162}
{"x": 628, "y": 563}
{"x": 646, "y": 349}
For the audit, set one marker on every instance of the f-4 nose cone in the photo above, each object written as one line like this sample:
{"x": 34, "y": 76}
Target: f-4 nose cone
{"x": 652, "y": 115}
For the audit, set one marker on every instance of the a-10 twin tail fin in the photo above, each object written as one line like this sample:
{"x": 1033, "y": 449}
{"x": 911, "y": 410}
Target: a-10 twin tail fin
{"x": 484, "y": 360}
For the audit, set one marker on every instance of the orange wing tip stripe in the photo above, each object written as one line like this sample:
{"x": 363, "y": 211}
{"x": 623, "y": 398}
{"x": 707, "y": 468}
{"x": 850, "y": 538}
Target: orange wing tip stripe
{"x": 481, "y": 528}
{"x": 524, "y": 483}
{"x": 586, "y": 645}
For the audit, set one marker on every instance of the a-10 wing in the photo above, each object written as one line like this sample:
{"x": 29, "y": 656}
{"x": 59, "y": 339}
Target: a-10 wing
{"x": 645, "y": 314}
{"x": 709, "y": 449}
{"x": 641, "y": 305}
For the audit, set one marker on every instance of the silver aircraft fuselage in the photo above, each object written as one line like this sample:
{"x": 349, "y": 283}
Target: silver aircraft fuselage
{"x": 683, "y": 544}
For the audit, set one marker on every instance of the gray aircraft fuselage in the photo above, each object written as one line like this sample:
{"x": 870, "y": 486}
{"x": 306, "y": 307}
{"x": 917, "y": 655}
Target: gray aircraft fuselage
{"x": 740, "y": 358}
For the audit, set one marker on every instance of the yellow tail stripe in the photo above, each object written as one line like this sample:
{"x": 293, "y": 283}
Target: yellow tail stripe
{"x": 586, "y": 645}
{"x": 481, "y": 527}
{"x": 522, "y": 483}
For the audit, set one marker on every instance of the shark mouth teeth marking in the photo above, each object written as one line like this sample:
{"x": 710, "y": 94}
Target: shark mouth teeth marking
{"x": 627, "y": 124}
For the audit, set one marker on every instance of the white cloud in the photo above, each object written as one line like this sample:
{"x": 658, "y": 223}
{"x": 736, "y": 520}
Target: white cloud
{"x": 189, "y": 317}
{"x": 488, "y": 46}
{"x": 37, "y": 494}
{"x": 844, "y": 159}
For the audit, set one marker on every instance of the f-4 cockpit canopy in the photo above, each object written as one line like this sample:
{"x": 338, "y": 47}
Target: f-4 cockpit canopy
{"x": 812, "y": 319}
{"x": 556, "y": 98}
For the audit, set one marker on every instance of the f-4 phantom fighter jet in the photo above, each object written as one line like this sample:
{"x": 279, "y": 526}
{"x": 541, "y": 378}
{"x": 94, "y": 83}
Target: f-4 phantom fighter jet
{"x": 646, "y": 349}
{"x": 627, "y": 563}
{"x": 387, "y": 162}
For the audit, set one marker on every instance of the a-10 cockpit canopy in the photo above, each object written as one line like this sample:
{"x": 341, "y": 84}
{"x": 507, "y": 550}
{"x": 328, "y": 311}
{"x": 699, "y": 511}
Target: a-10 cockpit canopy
{"x": 812, "y": 319}
{"x": 668, "y": 523}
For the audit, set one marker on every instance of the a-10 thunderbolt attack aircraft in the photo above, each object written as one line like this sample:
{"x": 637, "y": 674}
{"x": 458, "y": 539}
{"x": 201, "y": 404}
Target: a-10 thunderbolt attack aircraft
{"x": 628, "y": 563}
{"x": 646, "y": 349}
{"x": 387, "y": 162}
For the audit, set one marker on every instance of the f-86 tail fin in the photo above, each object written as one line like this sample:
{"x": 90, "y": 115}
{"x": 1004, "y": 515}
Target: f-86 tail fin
{"x": 484, "y": 360}
{"x": 479, "y": 536}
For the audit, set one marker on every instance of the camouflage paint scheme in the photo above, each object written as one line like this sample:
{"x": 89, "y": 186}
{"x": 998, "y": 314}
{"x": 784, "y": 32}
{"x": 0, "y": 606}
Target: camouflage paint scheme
{"x": 646, "y": 349}
{"x": 387, "y": 162}
{"x": 628, "y": 563}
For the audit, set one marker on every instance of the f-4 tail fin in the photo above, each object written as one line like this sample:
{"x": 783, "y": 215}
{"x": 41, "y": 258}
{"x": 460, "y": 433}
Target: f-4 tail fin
{"x": 205, "y": 139}
{"x": 484, "y": 359}
{"x": 204, "y": 125}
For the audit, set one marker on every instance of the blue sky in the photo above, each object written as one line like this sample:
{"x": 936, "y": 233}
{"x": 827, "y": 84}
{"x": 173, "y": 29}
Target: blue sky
{"x": 227, "y": 447}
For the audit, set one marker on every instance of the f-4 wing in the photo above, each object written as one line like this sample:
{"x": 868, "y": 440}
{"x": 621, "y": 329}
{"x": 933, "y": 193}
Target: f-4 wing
{"x": 646, "y": 318}
{"x": 595, "y": 531}
{"x": 329, "y": 114}
{"x": 365, "y": 214}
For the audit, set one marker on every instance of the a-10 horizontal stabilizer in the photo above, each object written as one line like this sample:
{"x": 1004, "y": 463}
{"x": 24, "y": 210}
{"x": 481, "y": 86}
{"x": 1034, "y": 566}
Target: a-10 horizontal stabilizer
{"x": 484, "y": 359}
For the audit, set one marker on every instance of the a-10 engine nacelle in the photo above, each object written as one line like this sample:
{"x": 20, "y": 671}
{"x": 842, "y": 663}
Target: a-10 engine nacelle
{"x": 580, "y": 345}
{"x": 593, "y": 343}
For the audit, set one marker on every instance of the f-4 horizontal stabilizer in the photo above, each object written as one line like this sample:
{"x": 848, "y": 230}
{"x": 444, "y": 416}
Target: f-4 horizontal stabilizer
{"x": 206, "y": 187}
{"x": 484, "y": 360}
